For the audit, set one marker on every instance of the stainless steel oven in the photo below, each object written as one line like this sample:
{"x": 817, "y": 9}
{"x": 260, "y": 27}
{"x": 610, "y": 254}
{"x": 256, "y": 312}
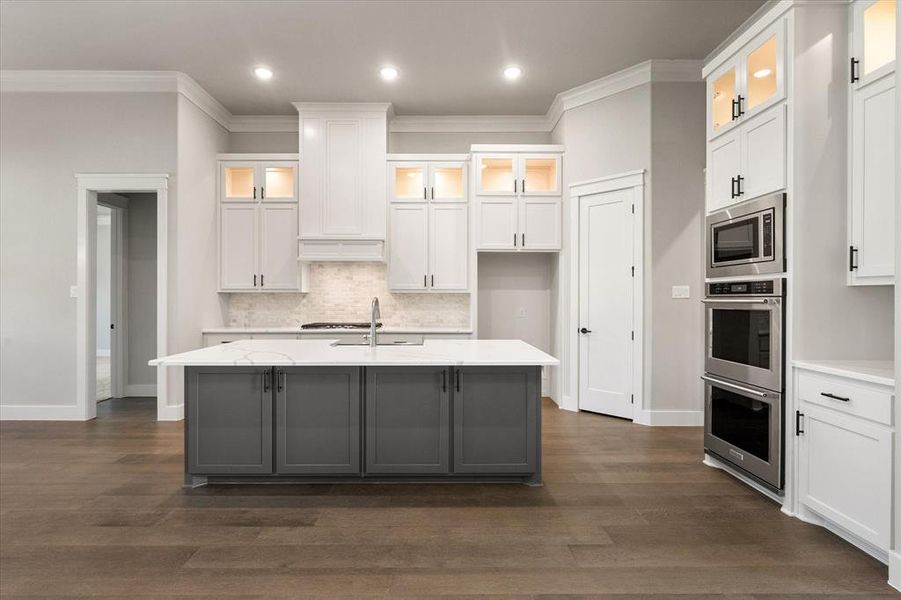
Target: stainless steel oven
{"x": 747, "y": 239}
{"x": 743, "y": 425}
{"x": 744, "y": 332}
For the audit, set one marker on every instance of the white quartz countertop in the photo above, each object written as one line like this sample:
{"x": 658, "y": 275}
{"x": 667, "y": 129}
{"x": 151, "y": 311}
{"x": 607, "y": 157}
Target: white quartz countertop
{"x": 874, "y": 371}
{"x": 339, "y": 330}
{"x": 322, "y": 353}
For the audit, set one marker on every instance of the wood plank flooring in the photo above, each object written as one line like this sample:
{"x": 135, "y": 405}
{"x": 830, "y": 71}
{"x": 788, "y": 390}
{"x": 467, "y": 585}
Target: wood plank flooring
{"x": 627, "y": 512}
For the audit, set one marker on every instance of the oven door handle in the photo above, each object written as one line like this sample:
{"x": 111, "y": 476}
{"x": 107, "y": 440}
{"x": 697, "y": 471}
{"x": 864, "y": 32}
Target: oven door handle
{"x": 739, "y": 301}
{"x": 740, "y": 388}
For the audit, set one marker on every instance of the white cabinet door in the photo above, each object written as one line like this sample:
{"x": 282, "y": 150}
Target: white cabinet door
{"x": 408, "y": 181}
{"x": 873, "y": 35}
{"x": 278, "y": 181}
{"x": 873, "y": 183}
{"x": 762, "y": 71}
{"x": 763, "y": 154}
{"x": 278, "y": 246}
{"x": 497, "y": 174}
{"x": 497, "y": 224}
{"x": 448, "y": 245}
{"x": 846, "y": 472}
{"x": 238, "y": 241}
{"x": 342, "y": 197}
{"x": 723, "y": 167}
{"x": 539, "y": 175}
{"x": 239, "y": 181}
{"x": 539, "y": 223}
{"x": 408, "y": 248}
{"x": 448, "y": 182}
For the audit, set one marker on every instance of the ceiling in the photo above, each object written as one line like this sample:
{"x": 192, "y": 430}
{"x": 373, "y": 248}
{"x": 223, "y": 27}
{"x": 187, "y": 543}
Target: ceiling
{"x": 450, "y": 53}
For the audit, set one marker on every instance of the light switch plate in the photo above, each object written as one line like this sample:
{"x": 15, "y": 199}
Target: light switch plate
{"x": 681, "y": 291}
{"x": 73, "y": 291}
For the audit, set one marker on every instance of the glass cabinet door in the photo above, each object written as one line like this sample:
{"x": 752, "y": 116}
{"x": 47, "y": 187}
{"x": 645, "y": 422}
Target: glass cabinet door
{"x": 278, "y": 182}
{"x": 497, "y": 175}
{"x": 875, "y": 31}
{"x": 762, "y": 72}
{"x": 408, "y": 182}
{"x": 723, "y": 91}
{"x": 540, "y": 175}
{"x": 239, "y": 182}
{"x": 447, "y": 182}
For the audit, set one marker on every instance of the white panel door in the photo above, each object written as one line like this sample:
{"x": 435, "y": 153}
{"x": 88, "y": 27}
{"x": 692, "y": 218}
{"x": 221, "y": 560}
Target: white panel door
{"x": 539, "y": 223}
{"x": 278, "y": 246}
{"x": 846, "y": 472}
{"x": 723, "y": 166}
{"x": 238, "y": 246}
{"x": 497, "y": 223}
{"x": 605, "y": 303}
{"x": 763, "y": 154}
{"x": 342, "y": 201}
{"x": 408, "y": 246}
{"x": 448, "y": 246}
{"x": 873, "y": 182}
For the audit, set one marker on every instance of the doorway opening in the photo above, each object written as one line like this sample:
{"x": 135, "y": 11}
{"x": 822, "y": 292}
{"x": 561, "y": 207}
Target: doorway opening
{"x": 126, "y": 295}
{"x": 121, "y": 307}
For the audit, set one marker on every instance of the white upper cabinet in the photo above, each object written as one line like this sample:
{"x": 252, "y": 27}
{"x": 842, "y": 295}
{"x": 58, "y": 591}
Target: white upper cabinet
{"x": 428, "y": 236}
{"x": 871, "y": 153}
{"x": 874, "y": 30}
{"x": 258, "y": 224}
{"x": 748, "y": 161}
{"x": 749, "y": 83}
{"x": 519, "y": 198}
{"x": 343, "y": 149}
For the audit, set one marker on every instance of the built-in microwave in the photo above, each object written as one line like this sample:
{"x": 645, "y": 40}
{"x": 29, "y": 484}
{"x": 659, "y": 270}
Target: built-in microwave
{"x": 747, "y": 239}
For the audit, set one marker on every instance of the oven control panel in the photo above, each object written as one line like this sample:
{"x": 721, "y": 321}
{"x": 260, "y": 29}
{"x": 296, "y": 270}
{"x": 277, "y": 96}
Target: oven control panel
{"x": 766, "y": 287}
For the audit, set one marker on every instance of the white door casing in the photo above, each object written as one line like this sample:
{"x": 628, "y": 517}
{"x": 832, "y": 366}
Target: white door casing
{"x": 605, "y": 303}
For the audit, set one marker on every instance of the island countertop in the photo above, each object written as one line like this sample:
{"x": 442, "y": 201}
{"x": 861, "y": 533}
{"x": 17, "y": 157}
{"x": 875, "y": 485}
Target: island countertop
{"x": 321, "y": 353}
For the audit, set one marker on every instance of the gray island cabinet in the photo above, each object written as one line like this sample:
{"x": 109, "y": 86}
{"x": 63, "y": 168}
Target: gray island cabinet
{"x": 360, "y": 414}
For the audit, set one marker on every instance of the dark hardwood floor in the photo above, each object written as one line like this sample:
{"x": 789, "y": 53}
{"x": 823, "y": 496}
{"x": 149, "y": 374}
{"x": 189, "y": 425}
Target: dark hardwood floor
{"x": 97, "y": 509}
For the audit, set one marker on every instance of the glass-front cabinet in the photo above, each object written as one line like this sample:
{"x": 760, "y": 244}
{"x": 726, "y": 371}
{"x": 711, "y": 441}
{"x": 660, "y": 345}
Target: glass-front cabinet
{"x": 753, "y": 80}
{"x": 497, "y": 175}
{"x": 522, "y": 174}
{"x": 873, "y": 40}
{"x": 422, "y": 181}
{"x": 259, "y": 181}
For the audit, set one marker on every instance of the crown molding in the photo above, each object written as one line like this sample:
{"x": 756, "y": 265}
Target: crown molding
{"x": 201, "y": 98}
{"x": 468, "y": 124}
{"x": 380, "y": 107}
{"x": 263, "y": 123}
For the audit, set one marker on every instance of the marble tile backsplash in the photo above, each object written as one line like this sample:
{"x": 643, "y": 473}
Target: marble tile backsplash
{"x": 342, "y": 292}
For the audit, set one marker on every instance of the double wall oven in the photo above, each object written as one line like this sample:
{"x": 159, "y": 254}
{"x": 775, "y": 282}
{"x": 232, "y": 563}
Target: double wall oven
{"x": 743, "y": 380}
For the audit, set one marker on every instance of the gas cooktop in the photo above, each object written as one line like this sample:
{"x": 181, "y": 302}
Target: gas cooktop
{"x": 338, "y": 325}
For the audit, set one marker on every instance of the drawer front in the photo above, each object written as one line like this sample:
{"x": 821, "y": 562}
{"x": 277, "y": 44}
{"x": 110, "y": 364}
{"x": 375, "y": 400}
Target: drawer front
{"x": 852, "y": 397}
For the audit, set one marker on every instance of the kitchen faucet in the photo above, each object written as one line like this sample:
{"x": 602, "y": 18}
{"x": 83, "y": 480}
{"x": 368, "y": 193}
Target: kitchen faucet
{"x": 375, "y": 316}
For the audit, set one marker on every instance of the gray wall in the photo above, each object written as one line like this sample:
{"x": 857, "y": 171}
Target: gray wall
{"x": 400, "y": 142}
{"x": 280, "y": 141}
{"x": 831, "y": 319}
{"x": 47, "y": 139}
{"x": 141, "y": 293}
{"x": 675, "y": 334}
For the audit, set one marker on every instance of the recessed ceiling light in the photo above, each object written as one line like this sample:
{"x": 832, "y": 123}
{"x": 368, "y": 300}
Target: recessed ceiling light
{"x": 388, "y": 73}
{"x": 762, "y": 73}
{"x": 264, "y": 73}
{"x": 512, "y": 72}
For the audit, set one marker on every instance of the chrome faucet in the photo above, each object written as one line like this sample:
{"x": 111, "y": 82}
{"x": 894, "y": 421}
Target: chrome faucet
{"x": 376, "y": 314}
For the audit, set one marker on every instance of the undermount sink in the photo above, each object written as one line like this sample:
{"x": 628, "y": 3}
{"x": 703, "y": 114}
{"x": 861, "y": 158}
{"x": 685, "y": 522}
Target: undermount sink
{"x": 383, "y": 339}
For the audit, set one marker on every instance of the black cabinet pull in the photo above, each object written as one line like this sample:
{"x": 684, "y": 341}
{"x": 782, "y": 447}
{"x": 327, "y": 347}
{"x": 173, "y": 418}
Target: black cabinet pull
{"x": 425, "y": 193}
{"x": 798, "y": 416}
{"x": 425, "y": 281}
{"x": 433, "y": 281}
{"x": 741, "y": 99}
{"x": 266, "y": 381}
{"x": 515, "y": 189}
{"x": 433, "y": 192}
{"x": 444, "y": 380}
{"x": 834, "y": 397}
{"x": 261, "y": 280}
{"x": 739, "y": 180}
{"x": 514, "y": 240}
{"x": 523, "y": 186}
{"x": 852, "y": 258}
{"x": 278, "y": 379}
{"x": 733, "y": 193}
{"x": 262, "y": 193}
{"x": 254, "y": 192}
{"x": 523, "y": 240}
{"x": 854, "y": 75}
{"x": 734, "y": 107}
{"x": 254, "y": 280}
{"x": 457, "y": 380}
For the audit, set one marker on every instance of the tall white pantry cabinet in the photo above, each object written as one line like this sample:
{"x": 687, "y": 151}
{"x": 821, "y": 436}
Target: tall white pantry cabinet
{"x": 258, "y": 223}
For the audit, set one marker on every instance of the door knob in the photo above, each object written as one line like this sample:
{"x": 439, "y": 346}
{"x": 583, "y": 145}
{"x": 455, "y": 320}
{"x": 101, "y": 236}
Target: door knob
{"x": 584, "y": 330}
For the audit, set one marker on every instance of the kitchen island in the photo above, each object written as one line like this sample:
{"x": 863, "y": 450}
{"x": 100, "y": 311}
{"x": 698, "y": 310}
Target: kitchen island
{"x": 310, "y": 410}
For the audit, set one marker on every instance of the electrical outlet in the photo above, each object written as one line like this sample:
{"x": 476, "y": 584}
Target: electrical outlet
{"x": 73, "y": 291}
{"x": 522, "y": 313}
{"x": 681, "y": 291}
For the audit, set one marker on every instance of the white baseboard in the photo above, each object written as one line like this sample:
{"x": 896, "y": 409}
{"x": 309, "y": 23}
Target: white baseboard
{"x": 170, "y": 413}
{"x": 568, "y": 404}
{"x": 45, "y": 412}
{"x": 671, "y": 418}
{"x": 104, "y": 353}
{"x": 140, "y": 389}
{"x": 894, "y": 569}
